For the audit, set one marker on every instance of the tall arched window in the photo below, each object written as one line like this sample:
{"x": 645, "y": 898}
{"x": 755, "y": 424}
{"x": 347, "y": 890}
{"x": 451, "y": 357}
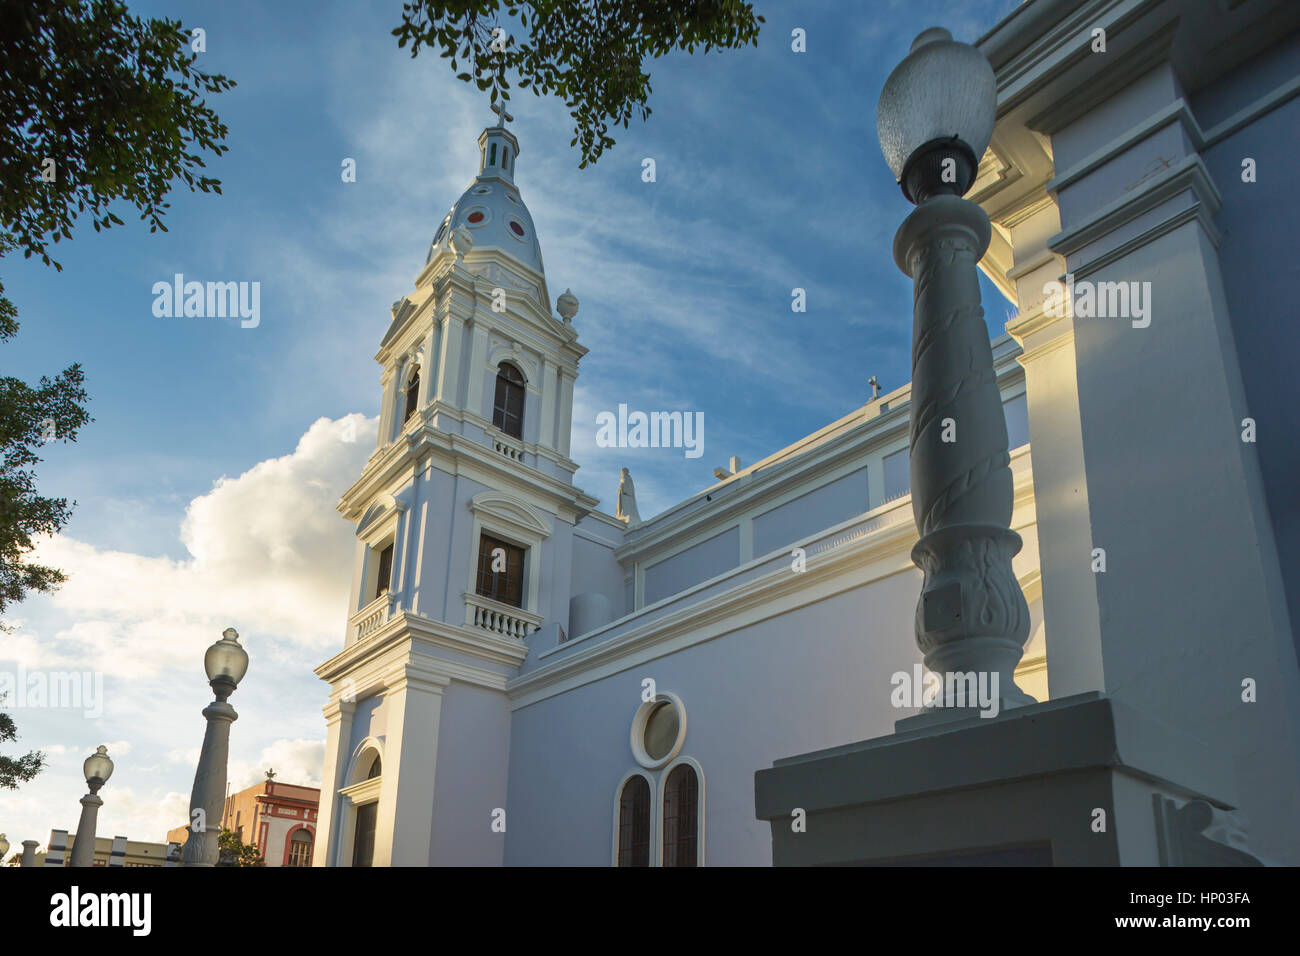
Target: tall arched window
{"x": 299, "y": 849}
{"x": 634, "y": 822}
{"x": 681, "y": 817}
{"x": 412, "y": 394}
{"x": 508, "y": 408}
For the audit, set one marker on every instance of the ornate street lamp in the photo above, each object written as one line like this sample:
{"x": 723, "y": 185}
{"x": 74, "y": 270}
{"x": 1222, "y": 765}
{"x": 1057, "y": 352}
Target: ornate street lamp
{"x": 935, "y": 119}
{"x": 97, "y": 768}
{"x": 225, "y": 662}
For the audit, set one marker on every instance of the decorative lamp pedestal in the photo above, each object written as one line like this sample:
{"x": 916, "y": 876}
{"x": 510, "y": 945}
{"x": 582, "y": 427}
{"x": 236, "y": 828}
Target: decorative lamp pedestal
{"x": 1051, "y": 784}
{"x": 209, "y": 794}
{"x": 971, "y": 617}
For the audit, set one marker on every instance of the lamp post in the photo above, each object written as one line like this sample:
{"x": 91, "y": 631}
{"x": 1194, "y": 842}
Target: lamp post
{"x": 935, "y": 120}
{"x": 225, "y": 663}
{"x": 97, "y": 768}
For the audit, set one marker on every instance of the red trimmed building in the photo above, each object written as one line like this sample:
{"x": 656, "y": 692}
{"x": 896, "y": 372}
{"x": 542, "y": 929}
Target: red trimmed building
{"x": 280, "y": 818}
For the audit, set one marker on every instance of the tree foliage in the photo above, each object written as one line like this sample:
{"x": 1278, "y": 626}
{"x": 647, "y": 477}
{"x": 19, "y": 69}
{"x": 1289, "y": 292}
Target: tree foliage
{"x": 29, "y": 418}
{"x": 591, "y": 53}
{"x": 115, "y": 101}
{"x": 16, "y": 770}
{"x": 231, "y": 851}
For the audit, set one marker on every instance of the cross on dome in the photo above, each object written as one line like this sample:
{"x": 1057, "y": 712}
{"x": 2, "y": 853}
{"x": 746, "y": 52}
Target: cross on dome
{"x": 502, "y": 116}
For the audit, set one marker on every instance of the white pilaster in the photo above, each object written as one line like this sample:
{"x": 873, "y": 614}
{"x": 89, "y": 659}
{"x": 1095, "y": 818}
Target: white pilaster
{"x": 565, "y": 422}
{"x": 338, "y": 733}
{"x": 549, "y": 404}
{"x": 413, "y": 710}
{"x": 387, "y": 408}
{"x": 1052, "y": 392}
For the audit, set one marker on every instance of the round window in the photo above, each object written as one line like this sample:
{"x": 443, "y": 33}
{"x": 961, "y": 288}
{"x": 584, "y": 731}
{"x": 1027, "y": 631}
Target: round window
{"x": 661, "y": 731}
{"x": 483, "y": 190}
{"x": 658, "y": 731}
{"x": 474, "y": 217}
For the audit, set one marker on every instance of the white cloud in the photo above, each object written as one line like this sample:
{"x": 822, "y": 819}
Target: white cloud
{"x": 294, "y": 761}
{"x": 268, "y": 553}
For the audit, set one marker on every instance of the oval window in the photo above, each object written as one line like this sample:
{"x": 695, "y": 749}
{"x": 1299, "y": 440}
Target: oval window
{"x": 661, "y": 731}
{"x": 474, "y": 217}
{"x": 517, "y": 229}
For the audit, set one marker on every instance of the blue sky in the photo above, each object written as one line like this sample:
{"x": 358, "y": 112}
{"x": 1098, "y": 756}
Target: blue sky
{"x": 205, "y": 486}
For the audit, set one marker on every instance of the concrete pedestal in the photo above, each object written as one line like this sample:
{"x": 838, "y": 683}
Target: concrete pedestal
{"x": 1083, "y": 781}
{"x": 202, "y": 846}
{"x": 83, "y": 845}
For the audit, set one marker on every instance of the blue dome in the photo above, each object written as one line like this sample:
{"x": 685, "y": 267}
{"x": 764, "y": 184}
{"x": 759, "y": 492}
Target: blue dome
{"x": 491, "y": 208}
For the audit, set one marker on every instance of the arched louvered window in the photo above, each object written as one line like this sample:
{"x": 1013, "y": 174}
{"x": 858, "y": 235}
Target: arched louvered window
{"x": 412, "y": 394}
{"x": 681, "y": 817}
{"x": 299, "y": 849}
{"x": 508, "y": 406}
{"x": 634, "y": 822}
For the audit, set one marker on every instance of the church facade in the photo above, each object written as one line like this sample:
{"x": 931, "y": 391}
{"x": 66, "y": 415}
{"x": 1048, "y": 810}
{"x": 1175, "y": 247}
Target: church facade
{"x": 529, "y": 680}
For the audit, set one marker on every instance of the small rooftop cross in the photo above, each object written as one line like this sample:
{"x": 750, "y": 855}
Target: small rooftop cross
{"x": 502, "y": 116}
{"x": 875, "y": 387}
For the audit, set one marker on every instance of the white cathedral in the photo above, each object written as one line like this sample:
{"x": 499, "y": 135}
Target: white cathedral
{"x": 529, "y": 680}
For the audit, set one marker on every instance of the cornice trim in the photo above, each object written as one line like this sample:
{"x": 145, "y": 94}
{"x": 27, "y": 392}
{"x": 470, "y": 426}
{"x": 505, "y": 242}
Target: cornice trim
{"x": 405, "y": 627}
{"x": 1176, "y": 112}
{"x": 1190, "y": 173}
{"x": 835, "y": 559}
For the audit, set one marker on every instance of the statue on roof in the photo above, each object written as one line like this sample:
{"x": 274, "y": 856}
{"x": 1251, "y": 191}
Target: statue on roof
{"x": 626, "y": 510}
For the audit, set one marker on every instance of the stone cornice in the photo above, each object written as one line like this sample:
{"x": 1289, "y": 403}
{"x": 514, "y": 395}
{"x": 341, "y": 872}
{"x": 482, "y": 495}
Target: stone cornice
{"x": 1176, "y": 112}
{"x": 399, "y": 462}
{"x": 406, "y": 630}
{"x": 1188, "y": 174}
{"x": 856, "y": 552}
{"x": 474, "y": 286}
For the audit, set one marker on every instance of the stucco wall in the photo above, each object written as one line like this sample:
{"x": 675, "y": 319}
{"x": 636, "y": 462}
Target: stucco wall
{"x": 698, "y": 563}
{"x": 473, "y": 748}
{"x": 813, "y": 678}
{"x": 1260, "y": 276}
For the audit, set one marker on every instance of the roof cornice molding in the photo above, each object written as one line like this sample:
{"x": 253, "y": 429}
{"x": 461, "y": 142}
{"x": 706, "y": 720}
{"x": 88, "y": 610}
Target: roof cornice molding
{"x": 1189, "y": 174}
{"x": 752, "y": 488}
{"x": 856, "y": 552}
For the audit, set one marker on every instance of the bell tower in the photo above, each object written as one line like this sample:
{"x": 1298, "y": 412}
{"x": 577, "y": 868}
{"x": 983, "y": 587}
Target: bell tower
{"x": 463, "y": 517}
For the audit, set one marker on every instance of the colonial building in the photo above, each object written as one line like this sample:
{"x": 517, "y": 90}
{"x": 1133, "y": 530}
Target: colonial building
{"x": 278, "y": 818}
{"x": 527, "y": 679}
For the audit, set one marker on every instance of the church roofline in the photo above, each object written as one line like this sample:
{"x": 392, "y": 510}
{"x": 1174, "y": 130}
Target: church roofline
{"x": 868, "y": 424}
